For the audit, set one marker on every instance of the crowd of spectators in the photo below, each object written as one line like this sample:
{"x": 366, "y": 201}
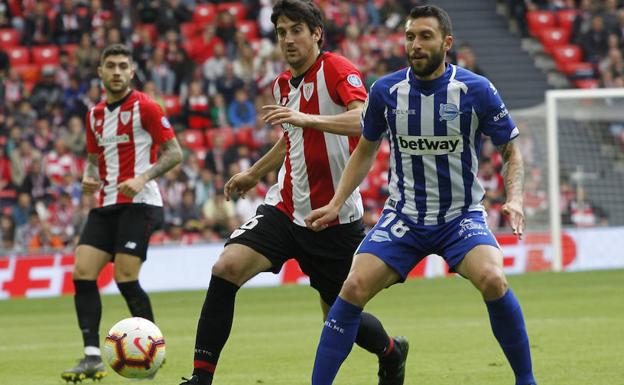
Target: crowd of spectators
{"x": 209, "y": 65}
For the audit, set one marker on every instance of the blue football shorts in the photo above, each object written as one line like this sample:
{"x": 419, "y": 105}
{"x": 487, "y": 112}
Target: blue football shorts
{"x": 402, "y": 244}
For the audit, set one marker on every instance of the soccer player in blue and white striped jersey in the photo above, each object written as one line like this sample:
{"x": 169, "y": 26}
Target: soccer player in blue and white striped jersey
{"x": 434, "y": 115}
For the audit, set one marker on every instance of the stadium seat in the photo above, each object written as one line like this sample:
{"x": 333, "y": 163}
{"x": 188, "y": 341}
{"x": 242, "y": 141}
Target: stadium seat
{"x": 553, "y": 37}
{"x": 228, "y": 136}
{"x": 172, "y": 105}
{"x": 71, "y": 50}
{"x": 586, "y": 83}
{"x": 235, "y": 8}
{"x": 244, "y": 137}
{"x": 567, "y": 54}
{"x": 249, "y": 28}
{"x": 18, "y": 55}
{"x": 581, "y": 70}
{"x": 45, "y": 54}
{"x": 194, "y": 140}
{"x": 188, "y": 30}
{"x": 8, "y": 37}
{"x": 204, "y": 13}
{"x": 28, "y": 72}
{"x": 539, "y": 20}
{"x": 565, "y": 18}
{"x": 153, "y": 31}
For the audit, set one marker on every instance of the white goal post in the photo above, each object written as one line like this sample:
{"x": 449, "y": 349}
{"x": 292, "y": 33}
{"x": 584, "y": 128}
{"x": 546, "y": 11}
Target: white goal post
{"x": 605, "y": 106}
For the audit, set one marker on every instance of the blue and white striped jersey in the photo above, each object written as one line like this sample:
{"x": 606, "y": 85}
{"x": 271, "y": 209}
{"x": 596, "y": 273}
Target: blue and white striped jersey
{"x": 434, "y": 128}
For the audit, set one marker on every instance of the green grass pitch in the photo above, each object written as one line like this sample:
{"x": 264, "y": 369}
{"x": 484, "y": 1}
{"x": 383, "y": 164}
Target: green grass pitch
{"x": 575, "y": 322}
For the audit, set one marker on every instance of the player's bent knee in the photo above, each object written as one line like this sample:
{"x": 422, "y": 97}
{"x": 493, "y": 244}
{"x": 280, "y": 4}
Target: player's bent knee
{"x": 492, "y": 283}
{"x": 355, "y": 291}
{"x": 228, "y": 269}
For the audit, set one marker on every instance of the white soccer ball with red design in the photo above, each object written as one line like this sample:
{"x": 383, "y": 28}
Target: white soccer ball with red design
{"x": 134, "y": 348}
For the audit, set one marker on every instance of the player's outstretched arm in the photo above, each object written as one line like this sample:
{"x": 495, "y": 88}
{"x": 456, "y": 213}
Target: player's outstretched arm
{"x": 346, "y": 123}
{"x": 357, "y": 167}
{"x": 170, "y": 156}
{"x": 91, "y": 177}
{"x": 243, "y": 181}
{"x": 513, "y": 175}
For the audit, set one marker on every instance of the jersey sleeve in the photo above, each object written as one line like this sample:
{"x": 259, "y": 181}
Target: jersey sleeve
{"x": 155, "y": 122}
{"x": 373, "y": 117}
{"x": 345, "y": 81}
{"x": 92, "y": 146}
{"x": 494, "y": 118}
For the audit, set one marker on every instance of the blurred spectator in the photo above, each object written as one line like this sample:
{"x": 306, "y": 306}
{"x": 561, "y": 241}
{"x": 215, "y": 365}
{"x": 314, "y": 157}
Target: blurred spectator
{"x": 87, "y": 58}
{"x": 241, "y": 111}
{"x": 13, "y": 87}
{"x": 205, "y": 187}
{"x": 36, "y": 235}
{"x": 218, "y": 111}
{"x": 226, "y": 31}
{"x": 61, "y": 218}
{"x": 7, "y": 232}
{"x": 191, "y": 169}
{"x": 36, "y": 183}
{"x": 247, "y": 64}
{"x": 492, "y": 181}
{"x": 60, "y": 161}
{"x": 8, "y": 190}
{"x": 147, "y": 10}
{"x": 214, "y": 67}
{"x": 20, "y": 211}
{"x": 228, "y": 83}
{"x": 46, "y": 93}
{"x": 160, "y": 73}
{"x": 202, "y": 47}
{"x": 197, "y": 108}
{"x": 171, "y": 14}
{"x": 37, "y": 26}
{"x": 220, "y": 214}
{"x": 188, "y": 213}
{"x": 466, "y": 58}
{"x": 583, "y": 21}
{"x": 595, "y": 42}
{"x": 69, "y": 23}
{"x": 21, "y": 158}
{"x": 246, "y": 207}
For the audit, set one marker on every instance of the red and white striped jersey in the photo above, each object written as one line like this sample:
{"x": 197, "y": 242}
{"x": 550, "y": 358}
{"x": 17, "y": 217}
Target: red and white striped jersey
{"x": 125, "y": 135}
{"x": 314, "y": 159}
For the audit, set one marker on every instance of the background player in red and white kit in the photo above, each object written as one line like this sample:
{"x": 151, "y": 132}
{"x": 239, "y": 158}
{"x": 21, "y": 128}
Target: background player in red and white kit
{"x": 319, "y": 102}
{"x": 124, "y": 134}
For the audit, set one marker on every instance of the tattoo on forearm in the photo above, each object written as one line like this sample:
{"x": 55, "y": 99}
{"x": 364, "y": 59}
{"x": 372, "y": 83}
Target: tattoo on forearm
{"x": 171, "y": 155}
{"x": 513, "y": 170}
{"x": 91, "y": 167}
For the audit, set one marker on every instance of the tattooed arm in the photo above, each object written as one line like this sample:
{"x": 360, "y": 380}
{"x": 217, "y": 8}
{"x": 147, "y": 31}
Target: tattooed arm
{"x": 171, "y": 155}
{"x": 91, "y": 176}
{"x": 513, "y": 175}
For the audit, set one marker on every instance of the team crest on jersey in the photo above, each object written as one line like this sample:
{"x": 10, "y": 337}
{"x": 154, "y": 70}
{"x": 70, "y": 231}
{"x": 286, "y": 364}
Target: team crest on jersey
{"x": 125, "y": 117}
{"x": 354, "y": 80}
{"x": 308, "y": 90}
{"x": 449, "y": 111}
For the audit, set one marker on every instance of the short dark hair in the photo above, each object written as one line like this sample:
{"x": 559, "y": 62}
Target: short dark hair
{"x": 300, "y": 11}
{"x": 115, "y": 49}
{"x": 433, "y": 11}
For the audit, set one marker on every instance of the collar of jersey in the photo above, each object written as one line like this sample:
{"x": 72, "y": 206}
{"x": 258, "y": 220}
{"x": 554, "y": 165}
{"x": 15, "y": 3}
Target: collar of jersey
{"x": 430, "y": 85}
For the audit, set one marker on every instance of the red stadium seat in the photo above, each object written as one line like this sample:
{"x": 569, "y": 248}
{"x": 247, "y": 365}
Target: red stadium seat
{"x": 194, "y": 140}
{"x": 172, "y": 105}
{"x": 249, "y": 28}
{"x": 228, "y": 136}
{"x": 45, "y": 54}
{"x": 70, "y": 49}
{"x": 244, "y": 137}
{"x": 28, "y": 72}
{"x": 188, "y": 30}
{"x": 579, "y": 70}
{"x": 587, "y": 83}
{"x": 204, "y": 13}
{"x": 8, "y": 37}
{"x": 539, "y": 20}
{"x": 567, "y": 54}
{"x": 18, "y": 55}
{"x": 235, "y": 8}
{"x": 553, "y": 37}
{"x": 565, "y": 18}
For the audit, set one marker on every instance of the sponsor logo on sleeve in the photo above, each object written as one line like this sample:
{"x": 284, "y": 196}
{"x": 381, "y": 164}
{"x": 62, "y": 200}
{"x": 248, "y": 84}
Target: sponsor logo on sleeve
{"x": 501, "y": 114}
{"x": 165, "y": 122}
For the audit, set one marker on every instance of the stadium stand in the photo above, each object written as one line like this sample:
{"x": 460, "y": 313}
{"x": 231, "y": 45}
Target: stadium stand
{"x": 209, "y": 51}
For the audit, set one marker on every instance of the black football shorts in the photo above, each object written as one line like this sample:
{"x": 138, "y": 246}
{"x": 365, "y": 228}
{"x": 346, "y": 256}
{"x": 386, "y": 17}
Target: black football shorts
{"x": 325, "y": 256}
{"x": 122, "y": 228}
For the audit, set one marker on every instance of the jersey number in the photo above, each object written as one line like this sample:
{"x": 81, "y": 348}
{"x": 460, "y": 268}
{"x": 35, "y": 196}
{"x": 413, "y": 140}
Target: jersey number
{"x": 398, "y": 229}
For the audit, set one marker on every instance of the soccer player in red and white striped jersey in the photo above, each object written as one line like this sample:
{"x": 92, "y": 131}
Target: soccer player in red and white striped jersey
{"x": 319, "y": 100}
{"x": 124, "y": 134}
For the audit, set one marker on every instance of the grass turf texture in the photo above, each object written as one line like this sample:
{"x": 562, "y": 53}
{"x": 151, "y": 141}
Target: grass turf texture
{"x": 575, "y": 322}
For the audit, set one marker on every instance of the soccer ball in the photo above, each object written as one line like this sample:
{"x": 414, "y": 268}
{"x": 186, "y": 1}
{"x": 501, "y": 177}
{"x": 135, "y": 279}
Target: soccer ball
{"x": 134, "y": 348}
